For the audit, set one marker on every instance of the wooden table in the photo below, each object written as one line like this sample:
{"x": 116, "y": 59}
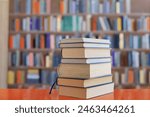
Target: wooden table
{"x": 42, "y": 94}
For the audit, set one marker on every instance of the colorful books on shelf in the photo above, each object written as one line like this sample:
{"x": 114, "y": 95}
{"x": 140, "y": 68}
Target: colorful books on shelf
{"x": 69, "y": 6}
{"x": 75, "y": 23}
{"x": 87, "y": 72}
{"x": 31, "y": 76}
{"x": 131, "y": 77}
{"x": 42, "y": 41}
{"x": 34, "y": 59}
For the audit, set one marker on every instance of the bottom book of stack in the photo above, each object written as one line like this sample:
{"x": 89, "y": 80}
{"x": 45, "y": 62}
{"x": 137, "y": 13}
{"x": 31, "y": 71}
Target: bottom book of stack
{"x": 85, "y": 89}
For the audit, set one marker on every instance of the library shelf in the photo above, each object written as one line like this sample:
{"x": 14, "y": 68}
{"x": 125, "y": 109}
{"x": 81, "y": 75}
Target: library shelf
{"x": 36, "y": 50}
{"x": 13, "y": 15}
{"x": 73, "y": 33}
{"x": 26, "y": 68}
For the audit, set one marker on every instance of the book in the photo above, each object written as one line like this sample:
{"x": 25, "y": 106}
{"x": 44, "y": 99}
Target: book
{"x": 84, "y": 71}
{"x": 88, "y": 40}
{"x": 86, "y": 93}
{"x": 84, "y": 45}
{"x": 85, "y": 52}
{"x": 84, "y": 83}
{"x": 88, "y": 61}
{"x": 11, "y": 77}
{"x": 20, "y": 77}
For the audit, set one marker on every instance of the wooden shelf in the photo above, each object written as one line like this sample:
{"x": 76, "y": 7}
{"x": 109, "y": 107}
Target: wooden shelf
{"x": 81, "y": 14}
{"x": 28, "y": 85}
{"x": 122, "y": 68}
{"x": 73, "y": 33}
{"x": 131, "y": 49}
{"x": 36, "y": 50}
{"x": 26, "y": 68}
{"x": 59, "y": 50}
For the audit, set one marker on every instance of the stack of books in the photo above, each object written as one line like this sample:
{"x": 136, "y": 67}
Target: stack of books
{"x": 85, "y": 69}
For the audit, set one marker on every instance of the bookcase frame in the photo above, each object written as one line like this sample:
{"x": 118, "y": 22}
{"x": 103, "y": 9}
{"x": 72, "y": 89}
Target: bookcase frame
{"x": 4, "y": 17}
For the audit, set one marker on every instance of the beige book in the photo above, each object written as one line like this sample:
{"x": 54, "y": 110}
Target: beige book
{"x": 84, "y": 83}
{"x": 84, "y": 45}
{"x": 86, "y": 93}
{"x": 85, "y": 40}
{"x": 85, "y": 52}
{"x": 84, "y": 71}
{"x": 11, "y": 77}
{"x": 33, "y": 71}
{"x": 47, "y": 61}
{"x": 142, "y": 77}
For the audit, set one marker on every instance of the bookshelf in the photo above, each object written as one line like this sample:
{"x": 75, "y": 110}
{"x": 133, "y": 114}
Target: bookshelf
{"x": 3, "y": 41}
{"x": 111, "y": 18}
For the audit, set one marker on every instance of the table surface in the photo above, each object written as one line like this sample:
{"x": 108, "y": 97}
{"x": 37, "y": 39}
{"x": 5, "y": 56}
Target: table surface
{"x": 42, "y": 94}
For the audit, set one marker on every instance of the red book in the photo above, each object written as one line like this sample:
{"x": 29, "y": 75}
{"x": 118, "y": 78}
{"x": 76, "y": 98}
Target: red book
{"x": 61, "y": 6}
{"x": 17, "y": 24}
{"x": 42, "y": 41}
{"x": 11, "y": 42}
{"x": 130, "y": 77}
{"x": 94, "y": 24}
{"x": 35, "y": 7}
{"x": 148, "y": 23}
{"x": 18, "y": 80}
{"x": 22, "y": 42}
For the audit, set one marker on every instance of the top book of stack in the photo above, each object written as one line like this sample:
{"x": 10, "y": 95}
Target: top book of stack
{"x": 85, "y": 48}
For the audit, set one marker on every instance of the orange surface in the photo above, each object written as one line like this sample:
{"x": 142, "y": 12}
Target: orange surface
{"x": 42, "y": 94}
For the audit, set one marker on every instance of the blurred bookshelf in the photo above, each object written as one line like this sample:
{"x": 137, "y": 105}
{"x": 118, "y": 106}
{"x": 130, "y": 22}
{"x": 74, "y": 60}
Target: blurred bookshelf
{"x": 37, "y": 26}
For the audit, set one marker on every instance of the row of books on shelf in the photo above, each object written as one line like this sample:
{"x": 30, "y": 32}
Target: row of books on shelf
{"x": 132, "y": 77}
{"x": 131, "y": 59}
{"x": 30, "y": 59}
{"x": 51, "y": 41}
{"x": 131, "y": 41}
{"x": 69, "y": 6}
{"x": 42, "y": 41}
{"x": 31, "y": 76}
{"x": 80, "y": 23}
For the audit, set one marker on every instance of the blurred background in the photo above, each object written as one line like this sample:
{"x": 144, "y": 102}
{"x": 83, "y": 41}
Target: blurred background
{"x": 30, "y": 32}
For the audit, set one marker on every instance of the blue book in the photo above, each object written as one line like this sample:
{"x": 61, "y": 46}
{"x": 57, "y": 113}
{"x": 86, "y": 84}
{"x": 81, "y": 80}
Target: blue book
{"x": 125, "y": 23}
{"x": 37, "y": 41}
{"x": 28, "y": 41}
{"x": 131, "y": 41}
{"x": 52, "y": 77}
{"x": 82, "y": 6}
{"x": 37, "y": 24}
{"x": 94, "y": 6}
{"x": 24, "y": 58}
{"x": 17, "y": 41}
{"x": 30, "y": 23}
{"x": 16, "y": 6}
{"x": 28, "y": 6}
{"x": 77, "y": 6}
{"x": 73, "y": 5}
{"x": 107, "y": 6}
{"x": 137, "y": 76}
{"x": 99, "y": 27}
{"x": 13, "y": 58}
{"x": 113, "y": 58}
{"x": 148, "y": 59}
{"x": 129, "y": 59}
{"x": 57, "y": 41}
{"x": 48, "y": 41}
{"x": 115, "y": 25}
{"x": 33, "y": 23}
{"x": 113, "y": 7}
{"x": 121, "y": 6}
{"x": 115, "y": 41}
